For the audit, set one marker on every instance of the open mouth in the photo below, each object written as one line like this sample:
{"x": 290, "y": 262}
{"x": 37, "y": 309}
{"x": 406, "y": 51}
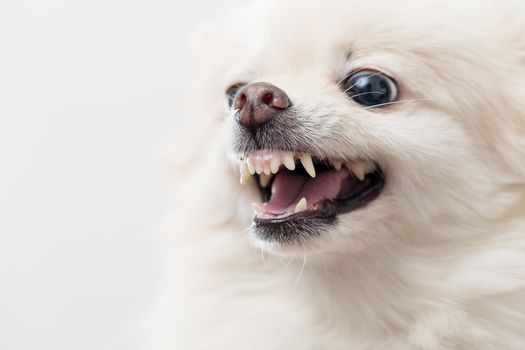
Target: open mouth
{"x": 295, "y": 187}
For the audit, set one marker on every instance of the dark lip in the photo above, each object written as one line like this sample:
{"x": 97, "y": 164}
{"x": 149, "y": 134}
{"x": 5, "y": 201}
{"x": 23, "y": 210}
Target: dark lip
{"x": 301, "y": 227}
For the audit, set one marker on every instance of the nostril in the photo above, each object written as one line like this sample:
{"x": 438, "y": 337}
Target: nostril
{"x": 240, "y": 101}
{"x": 267, "y": 98}
{"x": 280, "y": 101}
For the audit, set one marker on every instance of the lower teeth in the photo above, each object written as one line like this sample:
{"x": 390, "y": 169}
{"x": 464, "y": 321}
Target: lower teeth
{"x": 302, "y": 205}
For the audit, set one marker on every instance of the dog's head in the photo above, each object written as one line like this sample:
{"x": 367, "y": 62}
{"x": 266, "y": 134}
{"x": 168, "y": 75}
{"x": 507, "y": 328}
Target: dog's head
{"x": 354, "y": 123}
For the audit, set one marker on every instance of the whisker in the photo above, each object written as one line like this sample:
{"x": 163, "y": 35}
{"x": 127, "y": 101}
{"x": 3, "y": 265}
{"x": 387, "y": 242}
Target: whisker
{"x": 284, "y": 266}
{"x": 300, "y": 274}
{"x": 344, "y": 78}
{"x": 262, "y": 257}
{"x": 348, "y": 89}
{"x": 368, "y": 93}
{"x": 396, "y": 102}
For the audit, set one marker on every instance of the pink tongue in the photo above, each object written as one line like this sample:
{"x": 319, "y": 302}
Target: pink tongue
{"x": 288, "y": 188}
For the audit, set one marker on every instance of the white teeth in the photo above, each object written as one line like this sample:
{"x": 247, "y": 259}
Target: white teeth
{"x": 245, "y": 174}
{"x": 288, "y": 160}
{"x": 275, "y": 163}
{"x": 337, "y": 164}
{"x": 267, "y": 163}
{"x": 251, "y": 168}
{"x": 301, "y": 206}
{"x": 369, "y": 167}
{"x": 258, "y": 168}
{"x": 264, "y": 180}
{"x": 359, "y": 170}
{"x": 308, "y": 165}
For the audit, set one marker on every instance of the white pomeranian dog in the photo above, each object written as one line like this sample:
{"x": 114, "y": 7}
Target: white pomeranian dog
{"x": 351, "y": 176}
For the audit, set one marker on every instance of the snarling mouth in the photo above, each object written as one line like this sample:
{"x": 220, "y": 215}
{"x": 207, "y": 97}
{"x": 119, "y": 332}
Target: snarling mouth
{"x": 298, "y": 190}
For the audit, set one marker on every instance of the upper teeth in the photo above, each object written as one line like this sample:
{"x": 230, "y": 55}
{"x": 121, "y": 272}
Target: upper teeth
{"x": 359, "y": 170}
{"x": 245, "y": 174}
{"x": 306, "y": 161}
{"x": 250, "y": 165}
{"x": 266, "y": 163}
{"x": 275, "y": 163}
{"x": 288, "y": 160}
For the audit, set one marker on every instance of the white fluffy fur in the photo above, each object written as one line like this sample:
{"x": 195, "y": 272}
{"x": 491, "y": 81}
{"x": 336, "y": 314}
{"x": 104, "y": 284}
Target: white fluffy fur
{"x": 436, "y": 262}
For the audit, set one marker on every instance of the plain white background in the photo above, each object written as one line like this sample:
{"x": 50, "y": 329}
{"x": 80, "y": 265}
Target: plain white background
{"x": 87, "y": 93}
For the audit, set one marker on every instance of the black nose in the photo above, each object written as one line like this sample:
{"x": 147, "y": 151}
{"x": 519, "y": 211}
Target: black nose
{"x": 258, "y": 103}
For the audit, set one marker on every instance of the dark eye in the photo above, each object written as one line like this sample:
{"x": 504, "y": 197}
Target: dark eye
{"x": 231, "y": 92}
{"x": 370, "y": 88}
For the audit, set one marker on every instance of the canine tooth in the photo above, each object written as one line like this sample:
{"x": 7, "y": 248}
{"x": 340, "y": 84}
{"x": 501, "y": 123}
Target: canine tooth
{"x": 245, "y": 174}
{"x": 359, "y": 170}
{"x": 275, "y": 163}
{"x": 369, "y": 167}
{"x": 301, "y": 206}
{"x": 288, "y": 160}
{"x": 337, "y": 164}
{"x": 264, "y": 180}
{"x": 308, "y": 165}
{"x": 251, "y": 167}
